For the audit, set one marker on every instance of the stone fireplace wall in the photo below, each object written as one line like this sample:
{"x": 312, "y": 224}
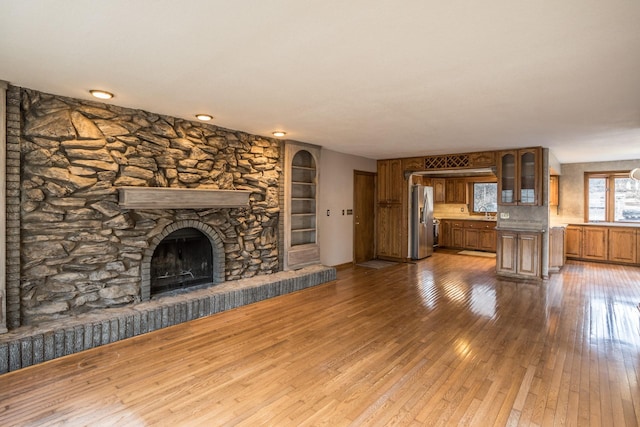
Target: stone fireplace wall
{"x": 79, "y": 249}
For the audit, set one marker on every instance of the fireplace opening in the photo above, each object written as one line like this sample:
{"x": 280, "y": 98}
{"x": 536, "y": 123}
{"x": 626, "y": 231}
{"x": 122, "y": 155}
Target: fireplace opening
{"x": 183, "y": 259}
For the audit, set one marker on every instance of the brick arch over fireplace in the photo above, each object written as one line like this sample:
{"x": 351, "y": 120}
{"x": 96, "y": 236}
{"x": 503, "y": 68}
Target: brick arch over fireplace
{"x": 217, "y": 248}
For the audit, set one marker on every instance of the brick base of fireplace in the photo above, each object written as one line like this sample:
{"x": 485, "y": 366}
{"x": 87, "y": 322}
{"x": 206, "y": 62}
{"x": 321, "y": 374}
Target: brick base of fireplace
{"x": 26, "y": 346}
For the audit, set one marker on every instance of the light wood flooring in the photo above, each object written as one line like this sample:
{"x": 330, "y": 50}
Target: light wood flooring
{"x": 438, "y": 342}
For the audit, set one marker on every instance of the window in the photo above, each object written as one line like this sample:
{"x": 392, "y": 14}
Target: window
{"x": 485, "y": 197}
{"x": 612, "y": 197}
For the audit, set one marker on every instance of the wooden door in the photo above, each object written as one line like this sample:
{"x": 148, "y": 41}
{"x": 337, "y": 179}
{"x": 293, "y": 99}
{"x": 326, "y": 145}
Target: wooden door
{"x": 444, "y": 239}
{"x": 460, "y": 188}
{"x": 395, "y": 181}
{"x": 457, "y": 237}
{"x": 487, "y": 240}
{"x": 450, "y": 191}
{"x": 390, "y": 181}
{"x": 471, "y": 238}
{"x": 506, "y": 257}
{"x": 364, "y": 184}
{"x": 395, "y": 237}
{"x": 573, "y": 243}
{"x": 383, "y": 181}
{"x": 438, "y": 190}
{"x": 622, "y": 245}
{"x": 528, "y": 254}
{"x": 556, "y": 248}
{"x": 594, "y": 243}
{"x": 389, "y": 243}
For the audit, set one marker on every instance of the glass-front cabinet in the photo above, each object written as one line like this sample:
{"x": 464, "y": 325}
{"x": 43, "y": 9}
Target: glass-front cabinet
{"x": 507, "y": 165}
{"x": 520, "y": 177}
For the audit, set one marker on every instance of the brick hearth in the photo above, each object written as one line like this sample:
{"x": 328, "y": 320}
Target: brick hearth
{"x": 27, "y": 345}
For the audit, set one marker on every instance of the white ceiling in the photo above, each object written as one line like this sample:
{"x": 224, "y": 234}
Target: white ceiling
{"x": 374, "y": 78}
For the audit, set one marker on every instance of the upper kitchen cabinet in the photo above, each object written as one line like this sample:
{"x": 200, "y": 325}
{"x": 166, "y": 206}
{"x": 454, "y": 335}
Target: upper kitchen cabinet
{"x": 390, "y": 181}
{"x": 439, "y": 192}
{"x": 456, "y": 190}
{"x": 520, "y": 177}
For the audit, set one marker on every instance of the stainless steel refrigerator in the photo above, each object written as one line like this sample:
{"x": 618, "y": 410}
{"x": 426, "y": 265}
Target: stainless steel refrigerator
{"x": 421, "y": 221}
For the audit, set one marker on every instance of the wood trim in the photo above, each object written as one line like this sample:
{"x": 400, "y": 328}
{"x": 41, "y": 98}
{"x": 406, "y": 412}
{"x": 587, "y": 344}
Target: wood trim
{"x": 344, "y": 266}
{"x": 181, "y": 198}
{"x": 3, "y": 206}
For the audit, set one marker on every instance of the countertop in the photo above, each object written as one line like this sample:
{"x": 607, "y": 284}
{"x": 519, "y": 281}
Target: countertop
{"x": 480, "y": 218}
{"x": 604, "y": 224}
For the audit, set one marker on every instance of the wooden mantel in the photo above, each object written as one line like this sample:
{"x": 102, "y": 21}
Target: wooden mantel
{"x": 181, "y": 198}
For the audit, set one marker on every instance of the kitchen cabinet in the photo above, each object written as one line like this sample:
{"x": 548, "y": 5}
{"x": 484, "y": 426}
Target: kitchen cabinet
{"x": 622, "y": 245}
{"x": 389, "y": 219}
{"x": 480, "y": 235}
{"x": 389, "y": 236}
{"x": 413, "y": 164}
{"x": 444, "y": 237}
{"x": 438, "y": 190}
{"x": 487, "y": 239}
{"x": 573, "y": 241}
{"x": 452, "y": 233}
{"x": 390, "y": 181}
{"x": 594, "y": 243}
{"x": 482, "y": 160}
{"x": 520, "y": 177}
{"x": 556, "y": 249}
{"x": 554, "y": 190}
{"x": 518, "y": 253}
{"x": 468, "y": 234}
{"x": 615, "y": 244}
{"x": 457, "y": 236}
{"x": 471, "y": 238}
{"x": 455, "y": 190}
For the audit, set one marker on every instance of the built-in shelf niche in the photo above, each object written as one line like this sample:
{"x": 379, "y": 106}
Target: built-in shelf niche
{"x": 301, "y": 207}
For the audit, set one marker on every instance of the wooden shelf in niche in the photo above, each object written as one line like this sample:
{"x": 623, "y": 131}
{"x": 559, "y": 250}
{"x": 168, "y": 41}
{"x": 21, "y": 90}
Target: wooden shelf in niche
{"x": 303, "y": 197}
{"x": 301, "y": 206}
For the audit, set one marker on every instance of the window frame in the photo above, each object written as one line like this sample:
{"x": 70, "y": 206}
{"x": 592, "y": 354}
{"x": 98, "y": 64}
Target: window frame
{"x": 609, "y": 209}
{"x": 472, "y": 198}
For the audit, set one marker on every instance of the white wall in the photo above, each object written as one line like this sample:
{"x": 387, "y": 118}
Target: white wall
{"x": 335, "y": 232}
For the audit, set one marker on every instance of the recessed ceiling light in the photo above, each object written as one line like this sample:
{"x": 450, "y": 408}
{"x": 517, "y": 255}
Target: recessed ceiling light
{"x": 204, "y": 117}
{"x": 279, "y": 133}
{"x": 102, "y": 94}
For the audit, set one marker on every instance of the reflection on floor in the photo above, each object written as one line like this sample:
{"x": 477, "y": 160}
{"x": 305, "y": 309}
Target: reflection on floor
{"x": 478, "y": 253}
{"x": 438, "y": 342}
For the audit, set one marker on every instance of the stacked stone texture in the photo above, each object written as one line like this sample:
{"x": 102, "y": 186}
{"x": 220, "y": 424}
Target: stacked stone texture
{"x": 80, "y": 250}
{"x": 13, "y": 207}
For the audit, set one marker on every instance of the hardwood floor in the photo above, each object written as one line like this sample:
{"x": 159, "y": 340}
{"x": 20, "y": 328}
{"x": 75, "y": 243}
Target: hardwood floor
{"x": 438, "y": 342}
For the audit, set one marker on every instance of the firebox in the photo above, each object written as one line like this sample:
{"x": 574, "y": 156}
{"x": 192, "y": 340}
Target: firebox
{"x": 183, "y": 259}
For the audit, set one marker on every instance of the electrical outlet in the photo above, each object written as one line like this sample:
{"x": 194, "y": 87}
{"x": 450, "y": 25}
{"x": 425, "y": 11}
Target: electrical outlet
{"x": 349, "y": 211}
{"x": 504, "y": 215}
{"x": 461, "y": 209}
{"x": 342, "y": 211}
{"x": 328, "y": 212}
